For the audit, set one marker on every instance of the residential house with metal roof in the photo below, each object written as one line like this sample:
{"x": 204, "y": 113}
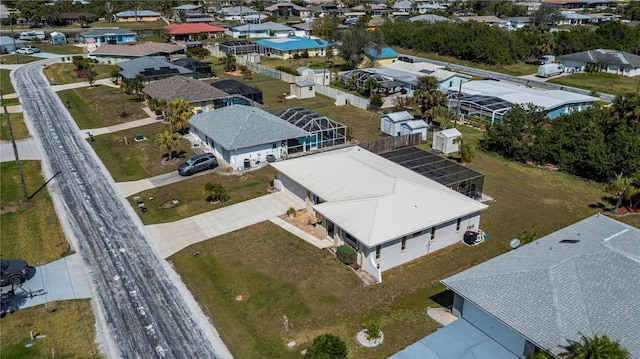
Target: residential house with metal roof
{"x": 287, "y": 9}
{"x": 492, "y": 99}
{"x": 187, "y": 32}
{"x": 244, "y": 135}
{"x": 236, "y": 13}
{"x": 288, "y": 47}
{"x": 580, "y": 280}
{"x": 152, "y": 68}
{"x": 114, "y": 54}
{"x": 137, "y": 16}
{"x": 384, "y": 57}
{"x": 265, "y": 29}
{"x": 97, "y": 37}
{"x": 610, "y": 61}
{"x": 429, "y": 18}
{"x": 7, "y": 44}
{"x": 200, "y": 95}
{"x": 387, "y": 213}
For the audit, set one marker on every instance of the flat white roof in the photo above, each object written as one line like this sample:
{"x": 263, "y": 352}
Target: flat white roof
{"x": 372, "y": 198}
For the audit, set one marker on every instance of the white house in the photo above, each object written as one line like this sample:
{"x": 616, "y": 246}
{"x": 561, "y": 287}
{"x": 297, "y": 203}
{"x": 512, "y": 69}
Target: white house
{"x": 610, "y": 61}
{"x": 303, "y": 89}
{"x": 391, "y": 123}
{"x": 415, "y": 126}
{"x": 580, "y": 280}
{"x": 446, "y": 141}
{"x": 238, "y": 133}
{"x": 387, "y": 213}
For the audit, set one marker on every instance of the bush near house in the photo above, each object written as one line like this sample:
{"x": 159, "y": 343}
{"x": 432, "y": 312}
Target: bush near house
{"x": 346, "y": 254}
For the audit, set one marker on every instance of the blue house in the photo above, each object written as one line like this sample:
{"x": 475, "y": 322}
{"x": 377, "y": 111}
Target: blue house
{"x": 108, "y": 36}
{"x": 288, "y": 47}
{"x": 384, "y": 57}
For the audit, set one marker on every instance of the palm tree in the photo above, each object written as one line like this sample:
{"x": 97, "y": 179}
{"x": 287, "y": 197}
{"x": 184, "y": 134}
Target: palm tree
{"x": 619, "y": 187}
{"x": 167, "y": 141}
{"x": 178, "y": 113}
{"x": 229, "y": 62}
{"x": 209, "y": 188}
{"x": 598, "y": 347}
{"x": 215, "y": 191}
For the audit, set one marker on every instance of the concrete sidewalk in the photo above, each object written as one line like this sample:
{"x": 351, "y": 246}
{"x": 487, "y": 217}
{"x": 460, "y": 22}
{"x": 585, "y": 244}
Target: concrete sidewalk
{"x": 64, "y": 279}
{"x": 119, "y": 127}
{"x": 27, "y": 150}
{"x": 75, "y": 85}
{"x": 170, "y": 238}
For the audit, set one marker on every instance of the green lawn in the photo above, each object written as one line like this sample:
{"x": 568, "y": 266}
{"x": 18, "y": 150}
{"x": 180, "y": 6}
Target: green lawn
{"x": 62, "y": 73}
{"x": 5, "y": 82}
{"x": 600, "y": 82}
{"x": 17, "y": 125}
{"x": 11, "y": 101}
{"x": 100, "y": 106}
{"x": 279, "y": 274}
{"x": 136, "y": 160}
{"x": 240, "y": 188}
{"x": 67, "y": 49}
{"x": 10, "y": 59}
{"x": 128, "y": 25}
{"x": 29, "y": 229}
{"x": 517, "y": 69}
{"x": 69, "y": 330}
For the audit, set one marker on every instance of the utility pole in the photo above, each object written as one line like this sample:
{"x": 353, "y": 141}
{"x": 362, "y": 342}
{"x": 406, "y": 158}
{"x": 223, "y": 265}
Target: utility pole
{"x": 13, "y": 38}
{"x": 15, "y": 149}
{"x": 455, "y": 120}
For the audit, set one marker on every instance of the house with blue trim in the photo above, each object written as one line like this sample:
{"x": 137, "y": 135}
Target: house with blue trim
{"x": 137, "y": 16}
{"x": 384, "y": 57}
{"x": 265, "y": 29}
{"x": 288, "y": 47}
{"x": 108, "y": 36}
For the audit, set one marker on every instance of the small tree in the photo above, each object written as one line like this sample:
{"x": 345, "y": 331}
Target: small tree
{"x": 215, "y": 192}
{"x": 619, "y": 187}
{"x": 90, "y": 74}
{"x": 327, "y": 346}
{"x": 167, "y": 141}
{"x": 229, "y": 62}
{"x": 373, "y": 329}
{"x": 466, "y": 152}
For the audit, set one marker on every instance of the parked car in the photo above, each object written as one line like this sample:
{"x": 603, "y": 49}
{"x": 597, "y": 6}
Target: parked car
{"x": 405, "y": 59}
{"x": 13, "y": 271}
{"x": 198, "y": 163}
{"x": 32, "y": 48}
{"x": 24, "y": 51}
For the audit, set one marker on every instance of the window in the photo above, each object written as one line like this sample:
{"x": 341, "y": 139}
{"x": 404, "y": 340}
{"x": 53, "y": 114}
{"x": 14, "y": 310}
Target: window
{"x": 378, "y": 250}
{"x": 458, "y": 224}
{"x": 310, "y": 88}
{"x": 404, "y": 244}
{"x": 433, "y": 233}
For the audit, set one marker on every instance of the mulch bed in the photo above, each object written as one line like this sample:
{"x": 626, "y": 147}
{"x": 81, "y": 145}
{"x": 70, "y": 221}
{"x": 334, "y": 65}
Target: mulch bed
{"x": 624, "y": 210}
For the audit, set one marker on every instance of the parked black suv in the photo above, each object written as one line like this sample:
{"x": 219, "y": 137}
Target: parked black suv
{"x": 13, "y": 271}
{"x": 198, "y": 163}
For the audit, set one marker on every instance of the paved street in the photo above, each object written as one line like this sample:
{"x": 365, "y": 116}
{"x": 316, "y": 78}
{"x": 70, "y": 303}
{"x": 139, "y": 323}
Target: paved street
{"x": 145, "y": 311}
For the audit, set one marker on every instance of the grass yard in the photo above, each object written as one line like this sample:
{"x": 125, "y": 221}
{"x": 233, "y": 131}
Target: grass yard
{"x": 101, "y": 106}
{"x": 137, "y": 160}
{"x": 11, "y": 101}
{"x": 600, "y": 82}
{"x": 5, "y": 82}
{"x": 29, "y": 230}
{"x": 70, "y": 332}
{"x": 10, "y": 59}
{"x": 68, "y": 49}
{"x": 127, "y": 25}
{"x": 279, "y": 274}
{"x": 62, "y": 73}
{"x": 17, "y": 125}
{"x": 240, "y": 188}
{"x": 517, "y": 69}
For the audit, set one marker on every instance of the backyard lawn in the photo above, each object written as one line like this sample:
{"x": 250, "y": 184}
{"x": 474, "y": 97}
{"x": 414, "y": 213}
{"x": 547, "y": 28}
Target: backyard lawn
{"x": 67, "y": 49}
{"x": 240, "y": 187}
{"x": 17, "y": 125}
{"x": 10, "y": 59}
{"x": 29, "y": 229}
{"x": 600, "y": 82}
{"x": 127, "y": 25}
{"x": 62, "y": 73}
{"x": 5, "y": 82}
{"x": 68, "y": 332}
{"x": 137, "y": 160}
{"x": 101, "y": 106}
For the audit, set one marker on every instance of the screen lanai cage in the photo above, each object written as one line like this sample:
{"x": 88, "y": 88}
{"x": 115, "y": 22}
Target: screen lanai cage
{"x": 324, "y": 131}
{"x": 441, "y": 170}
{"x": 239, "y": 47}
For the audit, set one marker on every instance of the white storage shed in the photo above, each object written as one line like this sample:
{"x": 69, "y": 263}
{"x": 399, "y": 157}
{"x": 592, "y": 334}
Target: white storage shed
{"x": 446, "y": 141}
{"x": 415, "y": 126}
{"x": 303, "y": 89}
{"x": 391, "y": 123}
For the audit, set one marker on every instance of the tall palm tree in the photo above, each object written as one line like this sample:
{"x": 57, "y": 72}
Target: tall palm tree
{"x": 178, "y": 113}
{"x": 598, "y": 347}
{"x": 167, "y": 141}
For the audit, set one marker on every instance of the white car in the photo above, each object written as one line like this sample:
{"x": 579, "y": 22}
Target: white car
{"x": 24, "y": 51}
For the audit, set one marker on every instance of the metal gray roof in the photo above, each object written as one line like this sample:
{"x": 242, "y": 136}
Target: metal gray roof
{"x": 239, "y": 126}
{"x": 550, "y": 291}
{"x": 187, "y": 88}
{"x": 263, "y": 27}
{"x": 400, "y": 116}
{"x": 609, "y": 57}
{"x": 133, "y": 67}
{"x": 102, "y": 32}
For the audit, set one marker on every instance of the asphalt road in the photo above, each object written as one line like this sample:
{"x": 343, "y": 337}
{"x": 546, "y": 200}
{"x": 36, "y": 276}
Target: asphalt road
{"x": 143, "y": 309}
{"x": 513, "y": 79}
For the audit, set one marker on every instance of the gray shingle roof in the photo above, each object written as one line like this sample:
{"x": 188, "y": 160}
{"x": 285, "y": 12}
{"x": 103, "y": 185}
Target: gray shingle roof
{"x": 238, "y": 126}
{"x": 187, "y": 88}
{"x": 134, "y": 67}
{"x": 609, "y": 57}
{"x": 550, "y": 291}
{"x": 139, "y": 49}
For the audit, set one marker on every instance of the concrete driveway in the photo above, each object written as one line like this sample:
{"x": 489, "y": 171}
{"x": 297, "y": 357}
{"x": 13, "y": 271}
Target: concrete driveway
{"x": 170, "y": 238}
{"x": 63, "y": 279}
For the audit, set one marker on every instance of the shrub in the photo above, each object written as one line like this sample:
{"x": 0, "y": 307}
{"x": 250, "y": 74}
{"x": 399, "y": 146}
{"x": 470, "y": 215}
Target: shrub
{"x": 287, "y": 70}
{"x": 346, "y": 254}
{"x": 376, "y": 100}
{"x": 291, "y": 211}
{"x": 373, "y": 329}
{"x": 327, "y": 346}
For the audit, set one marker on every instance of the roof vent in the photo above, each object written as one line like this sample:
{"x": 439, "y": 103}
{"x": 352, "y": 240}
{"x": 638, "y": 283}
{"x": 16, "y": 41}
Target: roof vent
{"x": 572, "y": 241}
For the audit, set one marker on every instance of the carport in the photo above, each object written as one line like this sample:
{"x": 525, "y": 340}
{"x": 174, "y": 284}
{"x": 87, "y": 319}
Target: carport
{"x": 457, "y": 340}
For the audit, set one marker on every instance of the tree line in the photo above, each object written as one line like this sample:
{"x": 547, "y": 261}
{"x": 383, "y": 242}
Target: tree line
{"x": 597, "y": 144}
{"x": 481, "y": 43}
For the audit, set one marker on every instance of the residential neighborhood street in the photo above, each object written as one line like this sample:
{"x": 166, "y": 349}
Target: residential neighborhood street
{"x": 144, "y": 309}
